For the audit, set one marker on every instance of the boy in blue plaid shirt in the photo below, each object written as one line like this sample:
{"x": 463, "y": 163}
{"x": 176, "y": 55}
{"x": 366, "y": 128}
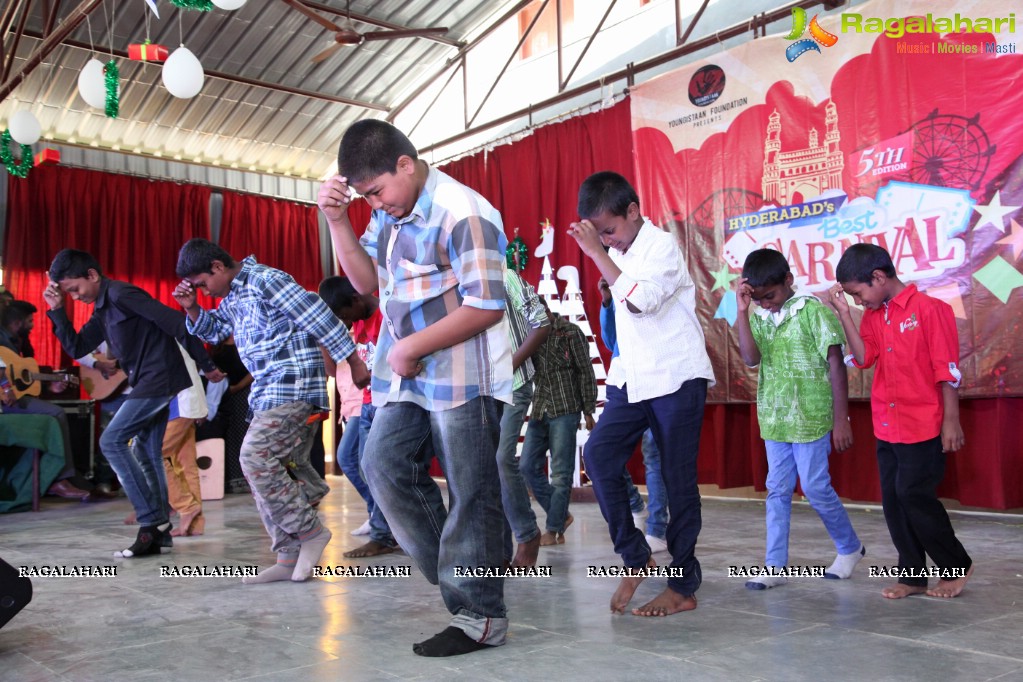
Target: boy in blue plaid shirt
{"x": 435, "y": 249}
{"x": 277, "y": 326}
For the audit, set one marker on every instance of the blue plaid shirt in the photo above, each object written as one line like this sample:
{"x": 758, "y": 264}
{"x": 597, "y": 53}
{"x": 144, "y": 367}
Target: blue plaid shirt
{"x": 276, "y": 324}
{"x": 448, "y": 252}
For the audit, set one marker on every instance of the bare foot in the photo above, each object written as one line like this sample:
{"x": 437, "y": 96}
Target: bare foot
{"x": 667, "y": 603}
{"x": 191, "y": 524}
{"x": 371, "y": 548}
{"x": 899, "y": 591}
{"x": 948, "y": 589}
{"x": 626, "y": 588}
{"x": 526, "y": 553}
{"x": 130, "y": 519}
{"x": 551, "y": 538}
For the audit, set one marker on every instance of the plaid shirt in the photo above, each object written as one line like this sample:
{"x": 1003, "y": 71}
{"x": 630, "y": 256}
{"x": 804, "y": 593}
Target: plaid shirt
{"x": 448, "y": 252}
{"x": 564, "y": 382}
{"x": 276, "y": 324}
{"x": 525, "y": 313}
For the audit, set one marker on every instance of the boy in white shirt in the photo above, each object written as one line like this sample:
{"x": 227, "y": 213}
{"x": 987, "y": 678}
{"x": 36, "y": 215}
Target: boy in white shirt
{"x": 659, "y": 381}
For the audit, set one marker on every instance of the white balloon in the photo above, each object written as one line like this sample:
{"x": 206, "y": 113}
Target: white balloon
{"x": 24, "y": 127}
{"x": 92, "y": 86}
{"x": 229, "y": 4}
{"x": 182, "y": 74}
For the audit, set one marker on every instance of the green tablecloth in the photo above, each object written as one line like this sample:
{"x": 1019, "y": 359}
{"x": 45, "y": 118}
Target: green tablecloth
{"x": 22, "y": 433}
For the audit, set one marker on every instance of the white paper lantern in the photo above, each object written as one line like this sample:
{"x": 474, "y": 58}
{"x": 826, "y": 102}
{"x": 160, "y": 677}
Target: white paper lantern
{"x": 24, "y": 127}
{"x": 182, "y": 74}
{"x": 92, "y": 86}
{"x": 229, "y": 4}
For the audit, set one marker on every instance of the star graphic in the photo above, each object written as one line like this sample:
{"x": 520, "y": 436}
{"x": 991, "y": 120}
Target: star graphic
{"x": 994, "y": 212}
{"x": 1015, "y": 239}
{"x": 722, "y": 278}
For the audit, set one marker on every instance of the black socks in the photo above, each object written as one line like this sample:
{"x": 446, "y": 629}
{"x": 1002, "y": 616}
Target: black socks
{"x": 451, "y": 642}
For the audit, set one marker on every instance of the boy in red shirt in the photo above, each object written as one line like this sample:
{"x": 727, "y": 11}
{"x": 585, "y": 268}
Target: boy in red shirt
{"x": 912, "y": 338}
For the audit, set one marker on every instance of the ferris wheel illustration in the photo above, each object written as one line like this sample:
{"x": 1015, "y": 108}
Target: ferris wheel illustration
{"x": 723, "y": 204}
{"x": 949, "y": 150}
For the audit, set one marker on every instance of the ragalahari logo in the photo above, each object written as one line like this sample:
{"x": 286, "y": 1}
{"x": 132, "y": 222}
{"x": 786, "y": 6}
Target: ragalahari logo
{"x": 817, "y": 35}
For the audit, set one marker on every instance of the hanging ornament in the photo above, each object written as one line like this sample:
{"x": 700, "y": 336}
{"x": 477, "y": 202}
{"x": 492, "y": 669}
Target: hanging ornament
{"x": 92, "y": 84}
{"x": 24, "y": 127}
{"x": 197, "y": 5}
{"x": 517, "y": 253}
{"x": 147, "y": 52}
{"x": 20, "y": 168}
{"x": 113, "y": 96}
{"x": 182, "y": 73}
{"x": 48, "y": 157}
{"x": 229, "y": 4}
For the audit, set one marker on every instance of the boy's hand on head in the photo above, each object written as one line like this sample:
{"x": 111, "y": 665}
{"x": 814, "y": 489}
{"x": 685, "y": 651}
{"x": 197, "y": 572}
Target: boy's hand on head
{"x": 842, "y": 435}
{"x": 53, "y": 296}
{"x": 586, "y": 236}
{"x": 952, "y": 437}
{"x": 836, "y": 300}
{"x": 184, "y": 294}
{"x": 743, "y": 295}
{"x": 333, "y": 199}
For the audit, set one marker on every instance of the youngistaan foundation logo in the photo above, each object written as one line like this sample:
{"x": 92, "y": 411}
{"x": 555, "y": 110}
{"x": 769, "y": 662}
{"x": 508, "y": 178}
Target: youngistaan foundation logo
{"x": 818, "y": 36}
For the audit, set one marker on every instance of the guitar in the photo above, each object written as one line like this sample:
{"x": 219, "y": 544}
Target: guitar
{"x": 25, "y": 376}
{"x": 100, "y": 387}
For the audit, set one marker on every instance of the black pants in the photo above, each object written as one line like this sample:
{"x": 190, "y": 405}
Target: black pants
{"x": 917, "y": 521}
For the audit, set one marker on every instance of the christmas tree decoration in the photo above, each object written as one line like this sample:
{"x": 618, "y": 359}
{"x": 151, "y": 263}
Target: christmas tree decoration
{"x": 546, "y": 246}
{"x": 517, "y": 253}
{"x": 148, "y": 52}
{"x": 112, "y": 101}
{"x": 183, "y": 74}
{"x": 195, "y": 5}
{"x": 24, "y": 127}
{"x": 18, "y": 168}
{"x": 48, "y": 157}
{"x": 92, "y": 84}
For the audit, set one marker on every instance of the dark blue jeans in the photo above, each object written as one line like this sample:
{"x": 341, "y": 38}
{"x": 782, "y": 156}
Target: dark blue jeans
{"x": 445, "y": 541}
{"x": 140, "y": 471}
{"x": 675, "y": 420}
{"x": 379, "y": 530}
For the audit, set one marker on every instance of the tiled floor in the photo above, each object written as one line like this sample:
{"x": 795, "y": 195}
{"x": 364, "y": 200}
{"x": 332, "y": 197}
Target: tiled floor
{"x": 138, "y": 626}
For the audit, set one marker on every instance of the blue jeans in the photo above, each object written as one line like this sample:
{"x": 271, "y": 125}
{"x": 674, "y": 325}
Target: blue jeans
{"x": 558, "y": 434}
{"x": 676, "y": 420}
{"x": 348, "y": 460}
{"x": 636, "y": 503}
{"x": 514, "y": 496}
{"x": 657, "y": 501}
{"x": 379, "y": 530}
{"x": 810, "y": 462}
{"x": 140, "y": 471}
{"x": 442, "y": 541}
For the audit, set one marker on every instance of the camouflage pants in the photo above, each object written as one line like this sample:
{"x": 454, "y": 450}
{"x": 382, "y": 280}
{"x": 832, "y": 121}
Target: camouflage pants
{"x": 275, "y": 437}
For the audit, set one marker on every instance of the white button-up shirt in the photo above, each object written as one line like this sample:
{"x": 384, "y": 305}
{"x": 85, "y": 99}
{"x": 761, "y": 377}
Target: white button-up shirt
{"x": 662, "y": 346}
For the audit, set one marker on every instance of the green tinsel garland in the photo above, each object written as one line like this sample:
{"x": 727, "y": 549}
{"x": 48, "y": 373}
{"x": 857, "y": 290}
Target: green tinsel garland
{"x": 197, "y": 5}
{"x": 517, "y": 246}
{"x": 110, "y": 75}
{"x": 21, "y": 168}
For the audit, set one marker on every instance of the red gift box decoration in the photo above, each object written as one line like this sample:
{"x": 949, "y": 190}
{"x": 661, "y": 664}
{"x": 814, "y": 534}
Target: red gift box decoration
{"x": 48, "y": 157}
{"x": 147, "y": 52}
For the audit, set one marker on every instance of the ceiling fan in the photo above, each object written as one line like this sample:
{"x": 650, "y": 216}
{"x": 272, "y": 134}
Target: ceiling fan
{"x": 346, "y": 35}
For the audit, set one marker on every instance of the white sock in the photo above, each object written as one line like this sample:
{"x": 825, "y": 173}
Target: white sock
{"x": 842, "y": 567}
{"x": 308, "y": 554}
{"x": 765, "y": 582}
{"x": 363, "y": 529}
{"x": 657, "y": 544}
{"x": 282, "y": 570}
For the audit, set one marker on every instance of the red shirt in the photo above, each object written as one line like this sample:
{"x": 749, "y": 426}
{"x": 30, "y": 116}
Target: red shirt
{"x": 915, "y": 343}
{"x": 365, "y": 334}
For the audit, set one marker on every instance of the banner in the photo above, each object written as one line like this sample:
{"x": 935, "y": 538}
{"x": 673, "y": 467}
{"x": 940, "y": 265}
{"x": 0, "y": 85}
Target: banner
{"x": 894, "y": 123}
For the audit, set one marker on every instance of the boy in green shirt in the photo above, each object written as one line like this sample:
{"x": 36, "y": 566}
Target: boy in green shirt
{"x": 802, "y": 393}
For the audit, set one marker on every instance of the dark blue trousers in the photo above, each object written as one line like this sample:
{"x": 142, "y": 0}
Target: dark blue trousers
{"x": 675, "y": 420}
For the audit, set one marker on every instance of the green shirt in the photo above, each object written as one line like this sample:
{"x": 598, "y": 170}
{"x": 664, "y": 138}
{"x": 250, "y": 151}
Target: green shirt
{"x": 794, "y": 402}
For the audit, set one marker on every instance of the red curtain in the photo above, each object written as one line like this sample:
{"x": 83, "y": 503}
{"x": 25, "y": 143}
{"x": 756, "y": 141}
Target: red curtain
{"x": 281, "y": 234}
{"x": 133, "y": 226}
